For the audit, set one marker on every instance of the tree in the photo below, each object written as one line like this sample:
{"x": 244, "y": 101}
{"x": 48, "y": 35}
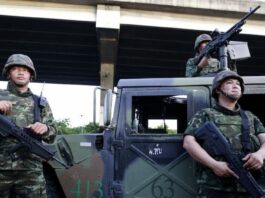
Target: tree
{"x": 63, "y": 127}
{"x": 92, "y": 128}
{"x": 165, "y": 127}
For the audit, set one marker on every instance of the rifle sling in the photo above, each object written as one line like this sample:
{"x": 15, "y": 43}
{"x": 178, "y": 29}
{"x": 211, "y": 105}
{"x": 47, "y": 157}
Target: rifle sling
{"x": 245, "y": 137}
{"x": 37, "y": 110}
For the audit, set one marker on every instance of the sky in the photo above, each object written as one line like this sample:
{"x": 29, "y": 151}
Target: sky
{"x": 73, "y": 102}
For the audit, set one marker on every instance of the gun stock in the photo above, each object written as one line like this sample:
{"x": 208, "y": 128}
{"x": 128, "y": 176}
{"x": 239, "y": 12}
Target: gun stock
{"x": 218, "y": 145}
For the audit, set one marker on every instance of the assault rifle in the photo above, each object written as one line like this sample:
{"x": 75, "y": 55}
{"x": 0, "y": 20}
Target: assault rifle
{"x": 221, "y": 40}
{"x": 33, "y": 145}
{"x": 218, "y": 145}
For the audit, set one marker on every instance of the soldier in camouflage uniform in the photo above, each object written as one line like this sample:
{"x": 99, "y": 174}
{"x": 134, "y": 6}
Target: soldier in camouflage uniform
{"x": 214, "y": 177}
{"x": 207, "y": 64}
{"x": 22, "y": 172}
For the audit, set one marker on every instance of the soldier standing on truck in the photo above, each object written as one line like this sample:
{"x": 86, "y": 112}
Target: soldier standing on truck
{"x": 214, "y": 177}
{"x": 206, "y": 64}
{"x": 21, "y": 172}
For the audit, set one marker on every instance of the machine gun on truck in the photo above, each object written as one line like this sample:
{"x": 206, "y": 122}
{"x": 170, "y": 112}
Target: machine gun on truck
{"x": 220, "y": 42}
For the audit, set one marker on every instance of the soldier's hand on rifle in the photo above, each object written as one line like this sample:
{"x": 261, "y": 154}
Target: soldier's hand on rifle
{"x": 38, "y": 128}
{"x": 253, "y": 161}
{"x": 5, "y": 106}
{"x": 204, "y": 62}
{"x": 222, "y": 169}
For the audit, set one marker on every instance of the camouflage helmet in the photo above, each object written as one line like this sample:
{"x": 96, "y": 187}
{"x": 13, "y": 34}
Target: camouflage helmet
{"x": 21, "y": 60}
{"x": 224, "y": 75}
{"x": 201, "y": 38}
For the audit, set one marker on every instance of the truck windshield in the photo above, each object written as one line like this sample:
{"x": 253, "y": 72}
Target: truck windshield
{"x": 159, "y": 114}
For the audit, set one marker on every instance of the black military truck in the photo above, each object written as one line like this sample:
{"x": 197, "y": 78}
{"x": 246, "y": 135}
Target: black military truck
{"x": 140, "y": 153}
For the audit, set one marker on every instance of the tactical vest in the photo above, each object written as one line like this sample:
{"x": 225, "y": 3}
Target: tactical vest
{"x": 238, "y": 129}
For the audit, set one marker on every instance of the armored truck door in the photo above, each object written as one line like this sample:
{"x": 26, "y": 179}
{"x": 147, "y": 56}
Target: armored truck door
{"x": 149, "y": 160}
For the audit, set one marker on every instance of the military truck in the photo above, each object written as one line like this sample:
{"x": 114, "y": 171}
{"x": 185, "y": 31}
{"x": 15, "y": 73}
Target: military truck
{"x": 140, "y": 153}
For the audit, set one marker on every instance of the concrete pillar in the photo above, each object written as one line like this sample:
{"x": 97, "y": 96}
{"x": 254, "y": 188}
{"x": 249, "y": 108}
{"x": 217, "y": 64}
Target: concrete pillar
{"x": 108, "y": 26}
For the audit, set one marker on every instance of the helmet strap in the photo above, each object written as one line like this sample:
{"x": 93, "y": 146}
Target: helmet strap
{"x": 227, "y": 95}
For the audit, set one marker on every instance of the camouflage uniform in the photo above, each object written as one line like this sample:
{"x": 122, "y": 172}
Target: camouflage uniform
{"x": 23, "y": 172}
{"x": 229, "y": 122}
{"x": 192, "y": 69}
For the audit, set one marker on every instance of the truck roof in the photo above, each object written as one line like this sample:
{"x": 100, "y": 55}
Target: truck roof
{"x": 170, "y": 82}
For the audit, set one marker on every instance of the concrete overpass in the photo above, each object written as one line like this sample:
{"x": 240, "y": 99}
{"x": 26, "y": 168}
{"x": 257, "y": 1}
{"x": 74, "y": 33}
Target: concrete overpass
{"x": 98, "y": 42}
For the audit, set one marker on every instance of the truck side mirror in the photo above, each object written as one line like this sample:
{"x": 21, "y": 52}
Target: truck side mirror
{"x": 107, "y": 94}
{"x": 107, "y": 107}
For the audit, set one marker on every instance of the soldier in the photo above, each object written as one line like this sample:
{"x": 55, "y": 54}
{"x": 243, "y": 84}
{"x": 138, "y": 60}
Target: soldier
{"x": 214, "y": 177}
{"x": 206, "y": 64}
{"x": 22, "y": 172}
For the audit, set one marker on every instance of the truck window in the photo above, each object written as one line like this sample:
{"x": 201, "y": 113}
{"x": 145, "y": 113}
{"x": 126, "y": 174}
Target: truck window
{"x": 159, "y": 114}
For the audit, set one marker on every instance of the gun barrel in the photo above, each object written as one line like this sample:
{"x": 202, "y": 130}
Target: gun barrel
{"x": 242, "y": 21}
{"x": 251, "y": 12}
